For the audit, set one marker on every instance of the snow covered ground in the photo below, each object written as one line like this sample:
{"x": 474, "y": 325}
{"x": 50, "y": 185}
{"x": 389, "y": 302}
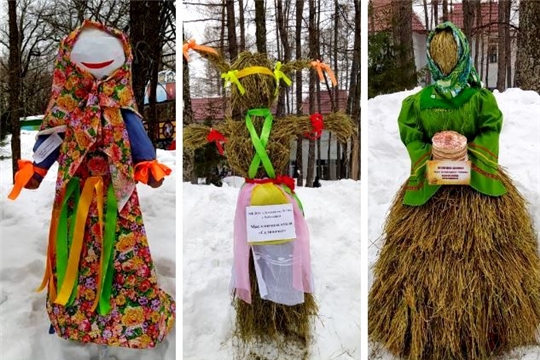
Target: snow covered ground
{"x": 24, "y": 225}
{"x": 389, "y": 165}
{"x": 333, "y": 216}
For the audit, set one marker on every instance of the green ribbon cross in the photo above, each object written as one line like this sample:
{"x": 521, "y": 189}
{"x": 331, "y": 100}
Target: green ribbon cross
{"x": 260, "y": 142}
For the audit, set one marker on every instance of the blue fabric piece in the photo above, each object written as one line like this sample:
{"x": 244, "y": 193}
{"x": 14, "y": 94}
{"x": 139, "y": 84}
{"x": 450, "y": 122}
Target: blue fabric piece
{"x": 49, "y": 161}
{"x": 142, "y": 148}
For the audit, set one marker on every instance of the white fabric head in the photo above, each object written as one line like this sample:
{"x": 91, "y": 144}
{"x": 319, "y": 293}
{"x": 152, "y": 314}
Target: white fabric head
{"x": 98, "y": 52}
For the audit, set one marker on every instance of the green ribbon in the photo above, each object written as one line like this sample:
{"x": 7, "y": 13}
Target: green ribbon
{"x": 231, "y": 77}
{"x": 280, "y": 75}
{"x": 260, "y": 142}
{"x": 65, "y": 237}
{"x": 107, "y": 270}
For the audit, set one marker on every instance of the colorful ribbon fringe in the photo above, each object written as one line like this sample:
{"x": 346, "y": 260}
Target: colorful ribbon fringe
{"x": 65, "y": 244}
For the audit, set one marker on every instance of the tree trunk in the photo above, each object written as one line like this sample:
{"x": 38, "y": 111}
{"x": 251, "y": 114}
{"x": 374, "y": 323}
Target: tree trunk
{"x": 528, "y": 48}
{"x": 444, "y": 10}
{"x": 231, "y": 30}
{"x": 354, "y": 95}
{"x": 508, "y": 45}
{"x": 146, "y": 40}
{"x": 435, "y": 7}
{"x": 14, "y": 85}
{"x": 260, "y": 26}
{"x": 313, "y": 40}
{"x": 187, "y": 119}
{"x": 488, "y": 36}
{"x": 335, "y": 103}
{"x": 501, "y": 56}
{"x": 242, "y": 24}
{"x": 284, "y": 36}
{"x": 468, "y": 18}
{"x": 299, "y": 140}
{"x": 402, "y": 34}
{"x": 478, "y": 6}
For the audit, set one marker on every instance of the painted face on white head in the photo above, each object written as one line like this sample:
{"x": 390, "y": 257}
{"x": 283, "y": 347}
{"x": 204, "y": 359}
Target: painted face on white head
{"x": 98, "y": 52}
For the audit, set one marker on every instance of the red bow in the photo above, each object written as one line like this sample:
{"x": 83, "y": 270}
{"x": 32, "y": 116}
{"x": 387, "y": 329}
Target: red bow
{"x": 317, "y": 125}
{"x": 218, "y": 138}
{"x": 279, "y": 180}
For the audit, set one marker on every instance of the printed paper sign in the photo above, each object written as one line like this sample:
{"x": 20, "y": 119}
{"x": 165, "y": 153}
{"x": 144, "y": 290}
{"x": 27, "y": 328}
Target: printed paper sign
{"x": 270, "y": 223}
{"x": 47, "y": 147}
{"x": 446, "y": 172}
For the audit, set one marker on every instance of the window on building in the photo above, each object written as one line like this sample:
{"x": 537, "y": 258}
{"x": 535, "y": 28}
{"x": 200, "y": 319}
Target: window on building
{"x": 492, "y": 53}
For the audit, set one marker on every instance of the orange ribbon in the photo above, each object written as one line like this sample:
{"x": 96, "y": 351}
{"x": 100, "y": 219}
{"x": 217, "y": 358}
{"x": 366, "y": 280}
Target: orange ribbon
{"x": 320, "y": 66}
{"x": 23, "y": 176}
{"x": 192, "y": 45}
{"x": 159, "y": 171}
{"x": 53, "y": 230}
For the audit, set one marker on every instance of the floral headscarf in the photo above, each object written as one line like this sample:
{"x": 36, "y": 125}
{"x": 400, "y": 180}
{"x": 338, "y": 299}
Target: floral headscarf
{"x": 79, "y": 102}
{"x": 463, "y": 75}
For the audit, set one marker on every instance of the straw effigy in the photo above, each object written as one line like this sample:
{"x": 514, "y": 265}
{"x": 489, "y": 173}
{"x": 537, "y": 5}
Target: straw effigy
{"x": 457, "y": 278}
{"x": 263, "y": 321}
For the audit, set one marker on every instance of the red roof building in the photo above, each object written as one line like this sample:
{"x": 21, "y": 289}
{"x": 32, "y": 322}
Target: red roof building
{"x": 208, "y": 108}
{"x": 488, "y": 20}
{"x": 326, "y": 103}
{"x": 382, "y": 16}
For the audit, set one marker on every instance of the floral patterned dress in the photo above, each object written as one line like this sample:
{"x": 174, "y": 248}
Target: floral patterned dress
{"x": 133, "y": 311}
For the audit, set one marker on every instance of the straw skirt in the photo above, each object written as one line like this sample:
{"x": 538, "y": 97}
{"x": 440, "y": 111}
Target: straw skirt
{"x": 457, "y": 278}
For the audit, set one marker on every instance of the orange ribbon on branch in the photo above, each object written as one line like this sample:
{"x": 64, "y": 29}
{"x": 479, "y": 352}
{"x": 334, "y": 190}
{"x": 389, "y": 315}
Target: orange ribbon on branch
{"x": 317, "y": 125}
{"x": 218, "y": 138}
{"x": 191, "y": 44}
{"x": 320, "y": 67}
{"x": 158, "y": 170}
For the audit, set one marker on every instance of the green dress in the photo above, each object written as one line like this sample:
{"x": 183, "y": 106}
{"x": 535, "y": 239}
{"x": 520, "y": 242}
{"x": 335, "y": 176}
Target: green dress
{"x": 473, "y": 113}
{"x": 458, "y": 276}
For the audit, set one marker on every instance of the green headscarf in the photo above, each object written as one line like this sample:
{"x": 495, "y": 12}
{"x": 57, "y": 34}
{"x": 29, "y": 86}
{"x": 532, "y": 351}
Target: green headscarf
{"x": 463, "y": 75}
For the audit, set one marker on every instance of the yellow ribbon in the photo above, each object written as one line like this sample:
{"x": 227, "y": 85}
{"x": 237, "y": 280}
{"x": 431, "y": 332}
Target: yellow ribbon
{"x": 320, "y": 66}
{"x": 278, "y": 74}
{"x": 91, "y": 184}
{"x": 252, "y": 70}
{"x": 232, "y": 77}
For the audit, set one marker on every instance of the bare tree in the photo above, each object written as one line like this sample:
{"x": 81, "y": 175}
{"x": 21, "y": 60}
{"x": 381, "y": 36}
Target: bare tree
{"x": 146, "y": 42}
{"x": 313, "y": 42}
{"x": 503, "y": 34}
{"x": 468, "y": 18}
{"x": 287, "y": 53}
{"x": 260, "y": 26}
{"x": 242, "y": 23}
{"x": 528, "y": 49}
{"x": 478, "y": 32}
{"x": 353, "y": 105}
{"x": 444, "y": 10}
{"x": 231, "y": 30}
{"x": 402, "y": 35}
{"x": 187, "y": 119}
{"x": 299, "y": 141}
{"x": 14, "y": 84}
